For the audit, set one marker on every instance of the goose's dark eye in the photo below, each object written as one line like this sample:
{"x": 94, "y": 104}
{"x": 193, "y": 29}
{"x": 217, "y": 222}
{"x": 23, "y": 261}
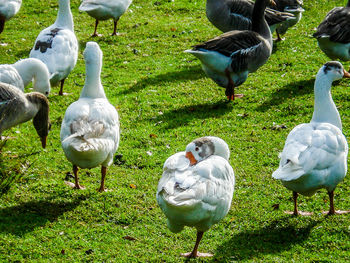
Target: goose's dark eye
{"x": 197, "y": 149}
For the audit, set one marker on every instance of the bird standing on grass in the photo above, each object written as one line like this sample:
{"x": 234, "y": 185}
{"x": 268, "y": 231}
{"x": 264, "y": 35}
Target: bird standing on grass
{"x": 230, "y": 57}
{"x": 90, "y": 128}
{"x": 294, "y": 7}
{"x": 8, "y": 8}
{"x": 315, "y": 154}
{"x": 228, "y": 15}
{"x": 196, "y": 187}
{"x": 104, "y": 10}
{"x": 57, "y": 46}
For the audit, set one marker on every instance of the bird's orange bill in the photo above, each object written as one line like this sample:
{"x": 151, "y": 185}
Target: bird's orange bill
{"x": 190, "y": 157}
{"x": 346, "y": 74}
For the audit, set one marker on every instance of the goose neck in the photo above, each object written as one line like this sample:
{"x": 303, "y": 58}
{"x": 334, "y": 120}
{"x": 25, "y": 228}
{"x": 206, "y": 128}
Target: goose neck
{"x": 93, "y": 87}
{"x": 259, "y": 24}
{"x": 64, "y": 16}
{"x": 30, "y": 69}
{"x": 325, "y": 109}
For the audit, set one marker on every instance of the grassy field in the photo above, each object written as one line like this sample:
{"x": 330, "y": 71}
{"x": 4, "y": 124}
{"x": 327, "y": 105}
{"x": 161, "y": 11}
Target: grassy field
{"x": 165, "y": 101}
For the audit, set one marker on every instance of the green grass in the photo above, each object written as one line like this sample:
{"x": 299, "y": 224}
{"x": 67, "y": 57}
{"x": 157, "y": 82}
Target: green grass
{"x": 160, "y": 90}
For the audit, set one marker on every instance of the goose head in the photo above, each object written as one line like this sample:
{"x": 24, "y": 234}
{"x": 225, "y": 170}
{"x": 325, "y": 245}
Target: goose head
{"x": 41, "y": 120}
{"x": 42, "y": 85}
{"x": 201, "y": 148}
{"x": 332, "y": 70}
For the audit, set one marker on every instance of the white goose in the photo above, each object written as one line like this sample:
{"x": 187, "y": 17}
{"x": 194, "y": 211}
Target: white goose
{"x": 8, "y": 8}
{"x": 90, "y": 128}
{"x": 21, "y": 73}
{"x": 315, "y": 154}
{"x": 17, "y": 107}
{"x": 104, "y": 10}
{"x": 196, "y": 187}
{"x": 57, "y": 46}
{"x": 333, "y": 34}
{"x": 230, "y": 57}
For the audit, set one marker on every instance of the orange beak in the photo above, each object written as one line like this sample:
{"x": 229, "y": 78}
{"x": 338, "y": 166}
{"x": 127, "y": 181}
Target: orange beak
{"x": 346, "y": 74}
{"x": 43, "y": 141}
{"x": 190, "y": 157}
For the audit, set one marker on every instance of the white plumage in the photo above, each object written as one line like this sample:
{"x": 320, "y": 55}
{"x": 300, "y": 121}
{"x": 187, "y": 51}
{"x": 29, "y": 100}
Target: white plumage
{"x": 8, "y": 8}
{"x": 90, "y": 128}
{"x": 21, "y": 73}
{"x": 315, "y": 153}
{"x": 104, "y": 10}
{"x": 197, "y": 186}
{"x": 57, "y": 46}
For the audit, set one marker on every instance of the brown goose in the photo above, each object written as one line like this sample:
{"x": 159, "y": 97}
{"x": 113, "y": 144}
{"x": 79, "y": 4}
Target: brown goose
{"x": 17, "y": 107}
{"x": 228, "y": 15}
{"x": 333, "y": 34}
{"x": 293, "y": 7}
{"x": 228, "y": 58}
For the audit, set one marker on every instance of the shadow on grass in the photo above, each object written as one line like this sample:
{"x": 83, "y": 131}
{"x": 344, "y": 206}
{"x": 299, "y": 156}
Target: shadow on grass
{"x": 191, "y": 73}
{"x": 294, "y": 89}
{"x": 184, "y": 115}
{"x": 279, "y": 235}
{"x": 25, "y": 217}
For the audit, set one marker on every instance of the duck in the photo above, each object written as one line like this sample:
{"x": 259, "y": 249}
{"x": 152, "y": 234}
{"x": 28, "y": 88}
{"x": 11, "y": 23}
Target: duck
{"x": 230, "y": 57}
{"x": 21, "y": 73}
{"x": 104, "y": 10}
{"x": 196, "y": 187}
{"x": 333, "y": 33}
{"x": 228, "y": 15}
{"x": 17, "y": 107}
{"x": 315, "y": 154}
{"x": 57, "y": 46}
{"x": 294, "y": 7}
{"x": 8, "y": 9}
{"x": 90, "y": 127}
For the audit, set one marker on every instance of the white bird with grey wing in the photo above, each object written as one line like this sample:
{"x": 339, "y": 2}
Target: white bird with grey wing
{"x": 57, "y": 46}
{"x": 315, "y": 154}
{"x": 196, "y": 187}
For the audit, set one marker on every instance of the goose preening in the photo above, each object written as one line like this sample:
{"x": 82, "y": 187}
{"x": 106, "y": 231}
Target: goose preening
{"x": 17, "y": 107}
{"x": 228, "y": 15}
{"x": 293, "y": 7}
{"x": 104, "y": 10}
{"x": 90, "y": 128}
{"x": 333, "y": 34}
{"x": 8, "y": 8}
{"x": 230, "y": 57}
{"x": 315, "y": 154}
{"x": 21, "y": 73}
{"x": 57, "y": 46}
{"x": 196, "y": 187}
